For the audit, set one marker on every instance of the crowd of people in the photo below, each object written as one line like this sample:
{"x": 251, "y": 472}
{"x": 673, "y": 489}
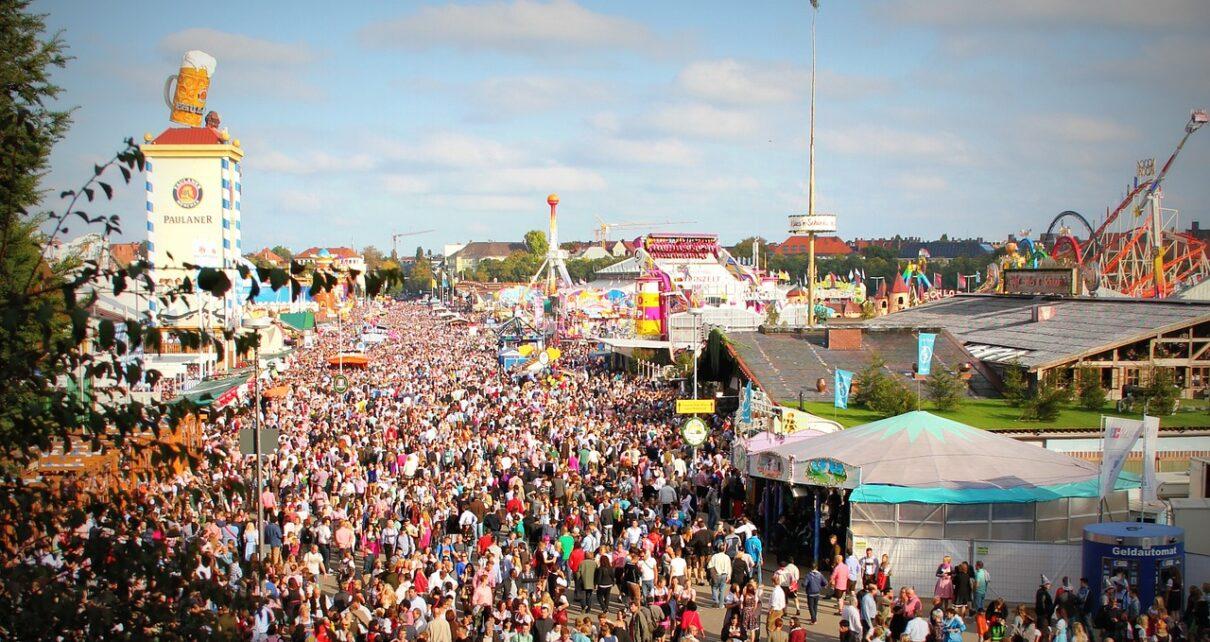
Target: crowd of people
{"x": 437, "y": 499}
{"x": 440, "y": 499}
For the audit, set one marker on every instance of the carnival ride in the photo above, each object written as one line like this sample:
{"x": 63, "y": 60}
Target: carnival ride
{"x": 1141, "y": 255}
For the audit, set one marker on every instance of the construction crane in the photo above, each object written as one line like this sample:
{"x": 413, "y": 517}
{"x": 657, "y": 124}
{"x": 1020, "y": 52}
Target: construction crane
{"x": 601, "y": 233}
{"x": 398, "y": 235}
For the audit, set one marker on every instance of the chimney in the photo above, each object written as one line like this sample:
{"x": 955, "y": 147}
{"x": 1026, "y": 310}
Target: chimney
{"x": 1043, "y": 313}
{"x": 844, "y": 338}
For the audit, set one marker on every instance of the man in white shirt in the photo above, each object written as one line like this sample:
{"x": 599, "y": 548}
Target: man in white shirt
{"x": 917, "y": 629}
{"x": 777, "y": 602}
{"x": 647, "y": 567}
{"x": 719, "y": 568}
{"x": 314, "y": 561}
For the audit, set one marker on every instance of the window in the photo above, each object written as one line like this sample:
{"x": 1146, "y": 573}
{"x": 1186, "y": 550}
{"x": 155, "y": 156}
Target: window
{"x": 1199, "y": 379}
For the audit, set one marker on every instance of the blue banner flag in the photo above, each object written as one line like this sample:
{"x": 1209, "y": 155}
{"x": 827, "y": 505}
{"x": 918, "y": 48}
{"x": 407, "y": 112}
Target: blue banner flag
{"x": 924, "y": 353}
{"x": 844, "y": 380}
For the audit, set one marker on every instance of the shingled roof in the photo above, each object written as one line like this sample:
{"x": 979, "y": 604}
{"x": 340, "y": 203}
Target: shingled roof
{"x": 1001, "y": 328}
{"x": 783, "y": 364}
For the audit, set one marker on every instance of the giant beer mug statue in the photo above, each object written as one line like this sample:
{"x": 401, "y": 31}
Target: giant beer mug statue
{"x": 187, "y": 101}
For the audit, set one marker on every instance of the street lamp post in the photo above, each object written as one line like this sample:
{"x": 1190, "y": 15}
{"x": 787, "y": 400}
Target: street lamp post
{"x": 697, "y": 344}
{"x": 256, "y": 325}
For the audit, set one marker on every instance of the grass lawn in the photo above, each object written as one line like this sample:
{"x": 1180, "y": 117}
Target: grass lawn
{"x": 997, "y": 414}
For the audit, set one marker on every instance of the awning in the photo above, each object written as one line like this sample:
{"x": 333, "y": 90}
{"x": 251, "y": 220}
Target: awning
{"x": 207, "y": 392}
{"x": 351, "y": 360}
{"x": 301, "y": 321}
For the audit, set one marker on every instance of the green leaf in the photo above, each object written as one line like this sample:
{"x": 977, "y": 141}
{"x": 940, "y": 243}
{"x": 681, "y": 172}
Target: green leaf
{"x": 105, "y": 334}
{"x": 107, "y": 189}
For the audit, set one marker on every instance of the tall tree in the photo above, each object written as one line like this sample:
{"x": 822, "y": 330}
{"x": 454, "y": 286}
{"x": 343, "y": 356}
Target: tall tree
{"x": 536, "y": 243}
{"x": 283, "y": 252}
{"x": 420, "y": 279}
{"x": 29, "y": 128}
{"x": 744, "y": 247}
{"x": 373, "y": 257}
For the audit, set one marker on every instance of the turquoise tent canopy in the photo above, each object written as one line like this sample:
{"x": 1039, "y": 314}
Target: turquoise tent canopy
{"x": 923, "y": 458}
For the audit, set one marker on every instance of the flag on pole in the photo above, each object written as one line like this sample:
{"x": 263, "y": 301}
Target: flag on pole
{"x": 1151, "y": 435}
{"x": 924, "y": 353}
{"x": 844, "y": 380}
{"x": 1119, "y": 439}
{"x": 936, "y": 279}
{"x": 961, "y": 281}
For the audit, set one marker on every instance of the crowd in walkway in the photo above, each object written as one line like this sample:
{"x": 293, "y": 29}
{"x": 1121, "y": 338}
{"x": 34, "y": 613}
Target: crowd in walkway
{"x": 440, "y": 499}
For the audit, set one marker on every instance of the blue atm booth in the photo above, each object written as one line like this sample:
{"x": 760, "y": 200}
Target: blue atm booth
{"x": 1147, "y": 557}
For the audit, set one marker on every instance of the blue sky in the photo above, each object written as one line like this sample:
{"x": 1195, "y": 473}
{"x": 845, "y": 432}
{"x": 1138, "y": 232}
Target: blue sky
{"x": 363, "y": 118}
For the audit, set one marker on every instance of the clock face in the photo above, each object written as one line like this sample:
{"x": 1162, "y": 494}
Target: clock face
{"x": 695, "y": 431}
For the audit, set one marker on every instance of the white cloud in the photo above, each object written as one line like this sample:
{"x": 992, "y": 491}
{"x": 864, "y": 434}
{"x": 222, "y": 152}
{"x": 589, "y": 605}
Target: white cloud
{"x": 733, "y": 82}
{"x": 247, "y": 64}
{"x": 886, "y": 142}
{"x": 607, "y": 122}
{"x": 405, "y": 184}
{"x": 631, "y": 151}
{"x": 298, "y": 202}
{"x": 1079, "y": 129}
{"x": 484, "y": 202}
{"x": 450, "y": 150}
{"x": 919, "y": 182}
{"x": 1177, "y": 62}
{"x": 233, "y": 47}
{"x": 700, "y": 120}
{"x": 519, "y": 26}
{"x": 1125, "y": 14}
{"x": 538, "y": 179}
{"x": 520, "y": 95}
{"x": 309, "y": 163}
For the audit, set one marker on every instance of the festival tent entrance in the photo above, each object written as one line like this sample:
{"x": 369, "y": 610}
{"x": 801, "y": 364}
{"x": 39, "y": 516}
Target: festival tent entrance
{"x": 920, "y": 475}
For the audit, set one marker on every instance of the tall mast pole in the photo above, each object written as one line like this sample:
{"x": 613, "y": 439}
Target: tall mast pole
{"x": 811, "y": 181}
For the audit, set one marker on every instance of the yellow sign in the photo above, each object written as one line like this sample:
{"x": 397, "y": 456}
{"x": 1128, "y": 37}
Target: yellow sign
{"x": 694, "y": 406}
{"x": 793, "y": 420}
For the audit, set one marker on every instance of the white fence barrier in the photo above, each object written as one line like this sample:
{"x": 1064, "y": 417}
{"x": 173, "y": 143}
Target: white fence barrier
{"x": 1197, "y": 568}
{"x": 1015, "y": 567}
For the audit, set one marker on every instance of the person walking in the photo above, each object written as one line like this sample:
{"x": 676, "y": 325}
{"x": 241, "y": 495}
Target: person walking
{"x": 840, "y": 582}
{"x": 756, "y": 550}
{"x": 983, "y": 580}
{"x": 718, "y": 571}
{"x": 944, "y": 589}
{"x": 813, "y": 584}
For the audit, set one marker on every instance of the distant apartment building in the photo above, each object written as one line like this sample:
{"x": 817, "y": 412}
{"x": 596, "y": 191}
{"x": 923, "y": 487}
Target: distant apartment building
{"x": 825, "y": 246}
{"x": 344, "y": 258}
{"x": 940, "y": 250}
{"x": 270, "y": 258}
{"x": 468, "y": 257}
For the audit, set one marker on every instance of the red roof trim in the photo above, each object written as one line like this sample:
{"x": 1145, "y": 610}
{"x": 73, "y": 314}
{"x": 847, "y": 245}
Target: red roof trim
{"x": 188, "y": 136}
